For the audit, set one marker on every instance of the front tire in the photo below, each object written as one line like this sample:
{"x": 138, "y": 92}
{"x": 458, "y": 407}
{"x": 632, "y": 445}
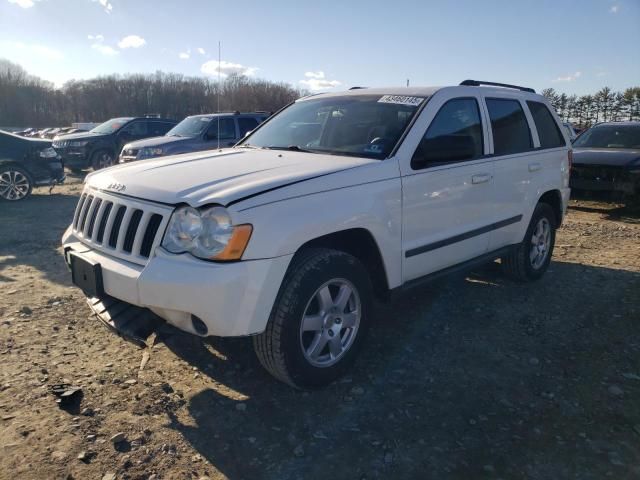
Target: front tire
{"x": 319, "y": 319}
{"x": 15, "y": 183}
{"x": 529, "y": 260}
{"x": 102, "y": 159}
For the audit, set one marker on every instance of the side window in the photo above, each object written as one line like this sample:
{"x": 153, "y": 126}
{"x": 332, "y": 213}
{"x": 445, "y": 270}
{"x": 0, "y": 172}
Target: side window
{"x": 136, "y": 129}
{"x": 548, "y": 131}
{"x": 511, "y": 132}
{"x": 246, "y": 124}
{"x": 158, "y": 129}
{"x": 227, "y": 129}
{"x": 454, "y": 135}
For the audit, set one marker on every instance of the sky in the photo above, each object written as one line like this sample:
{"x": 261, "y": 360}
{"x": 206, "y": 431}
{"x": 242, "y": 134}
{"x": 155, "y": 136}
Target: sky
{"x": 574, "y": 46}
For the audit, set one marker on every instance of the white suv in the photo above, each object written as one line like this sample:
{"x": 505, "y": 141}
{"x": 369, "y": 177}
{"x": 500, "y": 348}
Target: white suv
{"x": 335, "y": 200}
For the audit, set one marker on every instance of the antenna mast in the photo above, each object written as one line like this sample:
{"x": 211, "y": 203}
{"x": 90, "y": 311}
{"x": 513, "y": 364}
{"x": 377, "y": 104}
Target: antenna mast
{"x": 219, "y": 87}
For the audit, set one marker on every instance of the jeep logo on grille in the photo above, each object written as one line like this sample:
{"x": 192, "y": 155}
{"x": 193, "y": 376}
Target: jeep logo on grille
{"x": 117, "y": 187}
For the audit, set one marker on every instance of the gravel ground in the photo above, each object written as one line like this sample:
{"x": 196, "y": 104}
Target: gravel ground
{"x": 470, "y": 377}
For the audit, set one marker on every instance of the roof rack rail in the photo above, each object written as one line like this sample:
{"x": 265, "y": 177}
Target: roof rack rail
{"x": 477, "y": 83}
{"x": 357, "y": 88}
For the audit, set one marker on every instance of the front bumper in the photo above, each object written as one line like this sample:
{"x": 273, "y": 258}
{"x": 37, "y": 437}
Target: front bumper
{"x": 232, "y": 299}
{"x": 607, "y": 179}
{"x": 74, "y": 156}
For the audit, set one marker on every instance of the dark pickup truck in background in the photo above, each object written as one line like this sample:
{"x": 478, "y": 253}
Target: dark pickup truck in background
{"x": 99, "y": 148}
{"x": 195, "y": 133}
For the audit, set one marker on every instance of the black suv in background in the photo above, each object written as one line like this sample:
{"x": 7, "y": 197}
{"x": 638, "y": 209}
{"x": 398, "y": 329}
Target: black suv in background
{"x": 195, "y": 133}
{"x": 25, "y": 163}
{"x": 99, "y": 148}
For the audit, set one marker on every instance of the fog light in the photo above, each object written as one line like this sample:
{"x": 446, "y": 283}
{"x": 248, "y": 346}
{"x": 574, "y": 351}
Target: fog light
{"x": 198, "y": 325}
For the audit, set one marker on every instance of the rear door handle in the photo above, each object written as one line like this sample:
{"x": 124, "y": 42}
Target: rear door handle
{"x": 480, "y": 178}
{"x": 534, "y": 167}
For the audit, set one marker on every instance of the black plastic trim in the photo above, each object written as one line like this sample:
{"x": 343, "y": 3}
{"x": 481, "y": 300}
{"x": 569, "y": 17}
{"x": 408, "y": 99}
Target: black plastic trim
{"x": 463, "y": 236}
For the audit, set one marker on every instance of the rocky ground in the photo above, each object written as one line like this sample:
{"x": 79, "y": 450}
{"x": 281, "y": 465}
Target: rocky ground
{"x": 470, "y": 377}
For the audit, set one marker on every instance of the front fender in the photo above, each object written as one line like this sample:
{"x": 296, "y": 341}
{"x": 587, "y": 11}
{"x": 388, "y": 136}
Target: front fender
{"x": 282, "y": 227}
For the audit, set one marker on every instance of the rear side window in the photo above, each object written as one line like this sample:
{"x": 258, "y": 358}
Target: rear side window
{"x": 159, "y": 128}
{"x": 511, "y": 132}
{"x": 548, "y": 131}
{"x": 246, "y": 124}
{"x": 454, "y": 135}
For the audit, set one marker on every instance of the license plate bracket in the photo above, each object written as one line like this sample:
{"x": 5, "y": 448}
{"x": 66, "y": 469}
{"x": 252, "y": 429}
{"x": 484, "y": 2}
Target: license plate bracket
{"x": 87, "y": 275}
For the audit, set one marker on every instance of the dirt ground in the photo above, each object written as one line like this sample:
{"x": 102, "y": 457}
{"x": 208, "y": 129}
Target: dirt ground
{"x": 470, "y": 377}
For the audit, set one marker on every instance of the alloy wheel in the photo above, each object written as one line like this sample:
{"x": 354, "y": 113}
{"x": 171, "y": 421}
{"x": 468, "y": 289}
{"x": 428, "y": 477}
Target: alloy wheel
{"x": 14, "y": 185}
{"x": 330, "y": 322}
{"x": 540, "y": 243}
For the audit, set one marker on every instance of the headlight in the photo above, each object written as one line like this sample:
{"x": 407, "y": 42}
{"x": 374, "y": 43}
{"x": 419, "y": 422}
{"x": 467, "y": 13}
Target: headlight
{"x": 149, "y": 152}
{"x": 48, "y": 153}
{"x": 207, "y": 233}
{"x": 80, "y": 143}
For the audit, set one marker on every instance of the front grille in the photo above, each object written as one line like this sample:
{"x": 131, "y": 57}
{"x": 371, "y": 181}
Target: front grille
{"x": 60, "y": 143}
{"x": 123, "y": 227}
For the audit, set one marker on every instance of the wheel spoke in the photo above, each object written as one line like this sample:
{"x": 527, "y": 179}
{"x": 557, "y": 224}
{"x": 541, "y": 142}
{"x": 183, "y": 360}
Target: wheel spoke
{"x": 324, "y": 297}
{"x": 533, "y": 256}
{"x": 349, "y": 319}
{"x": 343, "y": 297}
{"x": 317, "y": 345}
{"x": 335, "y": 346}
{"x": 312, "y": 323}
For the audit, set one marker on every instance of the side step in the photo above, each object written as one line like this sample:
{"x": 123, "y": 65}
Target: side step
{"x": 135, "y": 324}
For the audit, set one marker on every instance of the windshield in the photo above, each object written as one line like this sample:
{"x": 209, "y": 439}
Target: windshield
{"x": 190, "y": 127}
{"x": 610, "y": 136}
{"x": 356, "y": 125}
{"x": 111, "y": 126}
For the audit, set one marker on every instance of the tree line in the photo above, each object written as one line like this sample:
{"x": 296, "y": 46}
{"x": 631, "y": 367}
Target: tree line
{"x": 28, "y": 101}
{"x": 603, "y": 106}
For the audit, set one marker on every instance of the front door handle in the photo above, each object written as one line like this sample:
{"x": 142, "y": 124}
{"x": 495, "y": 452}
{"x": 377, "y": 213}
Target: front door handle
{"x": 480, "y": 178}
{"x": 534, "y": 167}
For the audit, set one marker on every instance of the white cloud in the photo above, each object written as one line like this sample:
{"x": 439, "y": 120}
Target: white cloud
{"x": 106, "y": 5}
{"x": 23, "y": 3}
{"x": 97, "y": 38}
{"x": 105, "y": 49}
{"x": 132, "y": 41}
{"x": 614, "y": 9}
{"x": 184, "y": 55}
{"x": 571, "y": 77}
{"x": 316, "y": 81}
{"x": 201, "y": 51}
{"x": 226, "y": 69}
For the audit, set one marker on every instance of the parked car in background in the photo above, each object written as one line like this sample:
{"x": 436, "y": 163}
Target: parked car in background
{"x": 607, "y": 158}
{"x": 570, "y": 131}
{"x": 338, "y": 199}
{"x": 195, "y": 133}
{"x": 99, "y": 147}
{"x": 26, "y": 163}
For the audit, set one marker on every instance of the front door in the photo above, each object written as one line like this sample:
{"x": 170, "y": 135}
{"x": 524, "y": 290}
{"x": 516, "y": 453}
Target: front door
{"x": 448, "y": 193}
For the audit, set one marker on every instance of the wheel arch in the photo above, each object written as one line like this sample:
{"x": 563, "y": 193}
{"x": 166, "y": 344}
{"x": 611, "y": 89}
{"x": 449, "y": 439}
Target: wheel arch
{"x": 360, "y": 243}
{"x": 553, "y": 198}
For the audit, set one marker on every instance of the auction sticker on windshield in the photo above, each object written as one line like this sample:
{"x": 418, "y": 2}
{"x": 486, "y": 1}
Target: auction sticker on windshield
{"x": 401, "y": 100}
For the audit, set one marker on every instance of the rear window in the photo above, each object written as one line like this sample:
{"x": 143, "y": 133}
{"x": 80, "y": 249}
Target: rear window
{"x": 509, "y": 125}
{"x": 548, "y": 131}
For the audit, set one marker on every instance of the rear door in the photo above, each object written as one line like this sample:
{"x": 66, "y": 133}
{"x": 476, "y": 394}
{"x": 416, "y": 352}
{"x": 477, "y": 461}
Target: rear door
{"x": 447, "y": 186}
{"x": 524, "y": 167}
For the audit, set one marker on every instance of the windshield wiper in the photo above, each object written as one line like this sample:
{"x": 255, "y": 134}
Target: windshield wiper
{"x": 293, "y": 148}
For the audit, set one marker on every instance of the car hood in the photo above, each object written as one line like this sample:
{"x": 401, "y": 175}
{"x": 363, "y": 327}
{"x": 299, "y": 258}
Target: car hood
{"x": 610, "y": 157}
{"x": 158, "y": 141}
{"x": 80, "y": 136}
{"x": 219, "y": 177}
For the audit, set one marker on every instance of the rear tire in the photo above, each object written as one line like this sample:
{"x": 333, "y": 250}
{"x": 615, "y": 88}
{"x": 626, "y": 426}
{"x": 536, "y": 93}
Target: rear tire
{"x": 529, "y": 260}
{"x": 318, "y": 321}
{"x": 15, "y": 183}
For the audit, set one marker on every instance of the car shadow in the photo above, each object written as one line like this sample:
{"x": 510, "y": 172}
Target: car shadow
{"x": 467, "y": 377}
{"x": 628, "y": 212}
{"x": 28, "y": 240}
